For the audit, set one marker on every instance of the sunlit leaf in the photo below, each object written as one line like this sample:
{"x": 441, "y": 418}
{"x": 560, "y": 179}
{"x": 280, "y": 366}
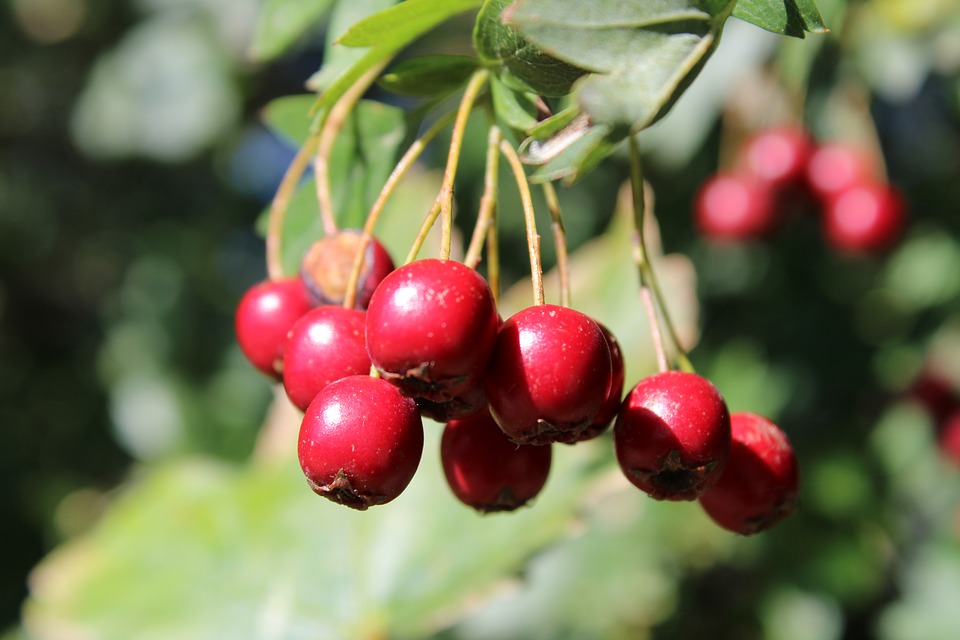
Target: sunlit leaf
{"x": 282, "y": 22}
{"x": 338, "y": 58}
{"x": 786, "y": 17}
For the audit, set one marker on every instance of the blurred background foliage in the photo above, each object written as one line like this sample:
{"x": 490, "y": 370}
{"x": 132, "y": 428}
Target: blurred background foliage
{"x": 156, "y": 496}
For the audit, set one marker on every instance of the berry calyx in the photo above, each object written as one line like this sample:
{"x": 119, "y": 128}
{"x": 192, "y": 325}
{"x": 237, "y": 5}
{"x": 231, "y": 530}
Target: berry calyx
{"x": 549, "y": 375}
{"x": 866, "y": 218}
{"x": 264, "y": 315}
{"x": 360, "y": 442}
{"x": 488, "y": 472}
{"x": 468, "y": 403}
{"x": 324, "y": 345}
{"x": 430, "y": 327}
{"x": 327, "y": 265}
{"x": 777, "y": 156}
{"x": 672, "y": 435}
{"x": 759, "y": 486}
{"x": 610, "y": 407}
{"x": 733, "y": 206}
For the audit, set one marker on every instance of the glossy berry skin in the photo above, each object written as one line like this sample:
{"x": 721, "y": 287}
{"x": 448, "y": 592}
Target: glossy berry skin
{"x": 835, "y": 167}
{"x": 264, "y": 316}
{"x": 759, "y": 486}
{"x": 488, "y": 472}
{"x": 611, "y": 406}
{"x": 360, "y": 442}
{"x": 866, "y": 218}
{"x": 549, "y": 375}
{"x": 672, "y": 435}
{"x": 734, "y": 206}
{"x": 326, "y": 267}
{"x": 777, "y": 156}
{"x": 431, "y": 325}
{"x": 326, "y": 344}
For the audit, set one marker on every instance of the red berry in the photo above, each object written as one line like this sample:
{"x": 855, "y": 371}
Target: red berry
{"x": 672, "y": 436}
{"x": 360, "y": 442}
{"x": 549, "y": 375}
{"x": 324, "y": 345}
{"x": 936, "y": 395}
{"x": 327, "y": 265}
{"x": 777, "y": 156}
{"x": 759, "y": 486}
{"x": 430, "y": 328}
{"x": 835, "y": 167}
{"x": 610, "y": 407}
{"x": 264, "y": 316}
{"x": 949, "y": 439}
{"x": 486, "y": 470}
{"x": 731, "y": 206}
{"x": 866, "y": 218}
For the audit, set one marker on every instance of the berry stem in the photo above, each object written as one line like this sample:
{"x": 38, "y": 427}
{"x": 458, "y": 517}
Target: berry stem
{"x": 648, "y": 278}
{"x": 400, "y": 170}
{"x": 445, "y": 197}
{"x": 279, "y": 204}
{"x": 331, "y": 125}
{"x": 533, "y": 238}
{"x": 488, "y": 201}
{"x": 493, "y": 258}
{"x": 560, "y": 240}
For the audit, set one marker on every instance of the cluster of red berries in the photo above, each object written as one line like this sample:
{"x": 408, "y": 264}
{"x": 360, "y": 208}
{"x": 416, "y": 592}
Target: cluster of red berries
{"x": 779, "y": 170}
{"x": 506, "y": 389}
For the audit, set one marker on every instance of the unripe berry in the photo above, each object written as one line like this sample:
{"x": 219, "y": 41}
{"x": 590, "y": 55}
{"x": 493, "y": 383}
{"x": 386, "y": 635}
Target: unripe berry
{"x": 759, "y": 486}
{"x": 327, "y": 266}
{"x": 360, "y": 442}
{"x": 672, "y": 435}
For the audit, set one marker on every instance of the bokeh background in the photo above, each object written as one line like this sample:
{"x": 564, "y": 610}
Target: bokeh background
{"x": 149, "y": 488}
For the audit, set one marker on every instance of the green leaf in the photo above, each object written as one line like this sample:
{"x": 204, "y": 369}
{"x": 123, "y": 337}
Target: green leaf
{"x": 578, "y": 158}
{"x": 642, "y": 54}
{"x": 288, "y": 117}
{"x": 786, "y": 17}
{"x": 496, "y": 41}
{"x": 337, "y": 59}
{"x": 402, "y": 24}
{"x": 429, "y": 75}
{"x": 386, "y": 33}
{"x": 281, "y": 22}
{"x": 363, "y": 156}
{"x": 513, "y": 107}
{"x": 199, "y": 550}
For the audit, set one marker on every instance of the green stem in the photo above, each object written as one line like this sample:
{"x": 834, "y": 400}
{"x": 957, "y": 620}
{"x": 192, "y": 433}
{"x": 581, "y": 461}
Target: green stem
{"x": 280, "y": 203}
{"x": 488, "y": 201}
{"x": 533, "y": 238}
{"x": 648, "y": 279}
{"x": 560, "y": 241}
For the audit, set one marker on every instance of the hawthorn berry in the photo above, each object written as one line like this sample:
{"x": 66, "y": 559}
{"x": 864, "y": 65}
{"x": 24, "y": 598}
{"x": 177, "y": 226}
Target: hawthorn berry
{"x": 324, "y": 345}
{"x": 549, "y": 375}
{"x": 610, "y": 407}
{"x": 488, "y": 472}
{"x": 936, "y": 395}
{"x": 360, "y": 442}
{"x": 430, "y": 328}
{"x": 326, "y": 267}
{"x": 264, "y": 316}
{"x": 734, "y": 206}
{"x": 759, "y": 486}
{"x": 672, "y": 435}
{"x": 777, "y": 156}
{"x": 865, "y": 218}
{"x": 835, "y": 167}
